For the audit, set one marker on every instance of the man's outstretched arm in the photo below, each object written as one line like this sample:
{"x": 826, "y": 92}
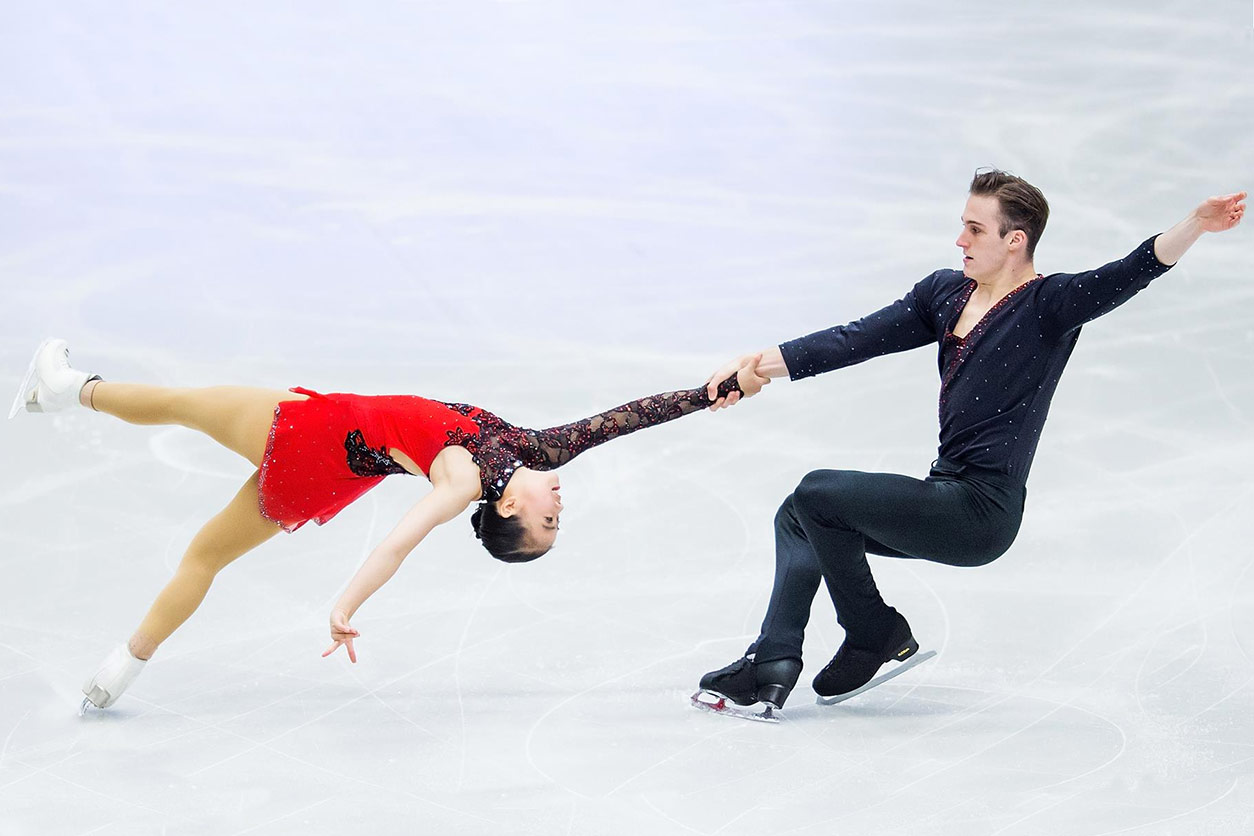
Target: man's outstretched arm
{"x": 1216, "y": 214}
{"x": 903, "y": 325}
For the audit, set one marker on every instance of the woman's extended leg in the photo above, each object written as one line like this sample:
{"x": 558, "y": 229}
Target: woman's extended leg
{"x": 237, "y": 417}
{"x": 237, "y": 529}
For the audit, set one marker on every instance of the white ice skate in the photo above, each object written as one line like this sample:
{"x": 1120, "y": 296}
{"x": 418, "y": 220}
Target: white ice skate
{"x": 50, "y": 384}
{"x": 115, "y": 675}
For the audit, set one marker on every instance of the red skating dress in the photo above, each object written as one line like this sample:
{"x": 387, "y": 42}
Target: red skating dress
{"x": 328, "y": 450}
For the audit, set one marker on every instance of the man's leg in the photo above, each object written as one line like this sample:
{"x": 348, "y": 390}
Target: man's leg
{"x": 769, "y": 669}
{"x": 845, "y": 514}
{"x": 797, "y": 577}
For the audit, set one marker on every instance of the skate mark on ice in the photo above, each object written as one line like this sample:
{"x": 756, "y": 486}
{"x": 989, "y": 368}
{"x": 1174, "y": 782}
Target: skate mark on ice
{"x": 991, "y": 701}
{"x": 9, "y": 737}
{"x": 46, "y": 769}
{"x": 906, "y": 788}
{"x": 277, "y": 819}
{"x": 1189, "y": 532}
{"x": 1057, "y": 707}
{"x": 652, "y": 806}
{"x": 338, "y": 774}
{"x": 1066, "y": 799}
{"x": 698, "y": 743}
{"x": 457, "y": 678}
{"x": 1192, "y": 532}
{"x": 531, "y": 732}
{"x": 1235, "y": 783}
{"x": 1236, "y": 589}
{"x": 367, "y": 694}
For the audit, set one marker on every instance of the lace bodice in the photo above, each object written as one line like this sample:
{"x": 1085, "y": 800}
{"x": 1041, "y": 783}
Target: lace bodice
{"x": 500, "y": 448}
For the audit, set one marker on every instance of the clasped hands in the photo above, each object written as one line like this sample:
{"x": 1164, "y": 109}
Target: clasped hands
{"x": 749, "y": 378}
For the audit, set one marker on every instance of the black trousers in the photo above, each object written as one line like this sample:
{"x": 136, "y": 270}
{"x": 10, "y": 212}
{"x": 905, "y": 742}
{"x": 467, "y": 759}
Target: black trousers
{"x": 823, "y": 531}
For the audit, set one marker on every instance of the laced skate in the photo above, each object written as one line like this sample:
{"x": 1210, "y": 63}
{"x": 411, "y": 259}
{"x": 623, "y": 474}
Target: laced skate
{"x": 915, "y": 659}
{"x": 853, "y": 670}
{"x": 747, "y": 689}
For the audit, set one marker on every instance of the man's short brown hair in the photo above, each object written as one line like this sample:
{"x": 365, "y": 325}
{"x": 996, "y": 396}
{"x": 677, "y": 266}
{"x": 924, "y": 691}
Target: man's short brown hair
{"x": 1022, "y": 204}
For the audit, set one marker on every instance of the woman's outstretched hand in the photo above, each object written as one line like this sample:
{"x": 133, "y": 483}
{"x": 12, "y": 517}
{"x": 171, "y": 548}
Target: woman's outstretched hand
{"x": 342, "y": 633}
{"x": 725, "y": 371}
{"x": 753, "y": 371}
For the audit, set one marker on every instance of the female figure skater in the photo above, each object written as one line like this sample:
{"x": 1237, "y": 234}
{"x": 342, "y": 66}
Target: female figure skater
{"x": 317, "y": 453}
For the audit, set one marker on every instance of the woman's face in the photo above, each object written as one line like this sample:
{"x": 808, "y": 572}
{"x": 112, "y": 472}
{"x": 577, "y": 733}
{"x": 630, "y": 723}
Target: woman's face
{"x": 535, "y": 498}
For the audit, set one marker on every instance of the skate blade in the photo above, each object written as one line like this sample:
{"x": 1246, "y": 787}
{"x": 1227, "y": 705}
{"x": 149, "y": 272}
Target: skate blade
{"x": 23, "y": 391}
{"x": 87, "y": 703}
{"x": 916, "y": 659}
{"x": 718, "y": 704}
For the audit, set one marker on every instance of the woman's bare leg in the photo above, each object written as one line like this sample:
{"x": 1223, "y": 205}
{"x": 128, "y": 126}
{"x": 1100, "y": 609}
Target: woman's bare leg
{"x": 237, "y": 417}
{"x": 237, "y": 529}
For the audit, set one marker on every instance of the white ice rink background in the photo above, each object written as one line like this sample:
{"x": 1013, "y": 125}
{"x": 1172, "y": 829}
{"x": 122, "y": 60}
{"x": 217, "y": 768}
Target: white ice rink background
{"x": 548, "y": 208}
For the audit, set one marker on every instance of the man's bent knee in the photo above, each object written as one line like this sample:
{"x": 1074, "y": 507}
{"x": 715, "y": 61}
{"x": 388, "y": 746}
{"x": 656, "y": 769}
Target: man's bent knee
{"x": 969, "y": 555}
{"x": 819, "y": 490}
{"x": 786, "y": 515}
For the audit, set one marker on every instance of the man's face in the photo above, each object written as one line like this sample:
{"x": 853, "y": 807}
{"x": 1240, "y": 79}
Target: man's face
{"x": 984, "y": 251}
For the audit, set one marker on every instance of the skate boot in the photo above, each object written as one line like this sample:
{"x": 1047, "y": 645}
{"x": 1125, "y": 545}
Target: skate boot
{"x": 746, "y": 682}
{"x": 50, "y": 384}
{"x": 853, "y": 667}
{"x": 115, "y": 675}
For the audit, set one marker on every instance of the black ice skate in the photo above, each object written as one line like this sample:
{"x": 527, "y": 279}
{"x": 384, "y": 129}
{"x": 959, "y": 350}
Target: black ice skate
{"x": 853, "y": 669}
{"x": 763, "y": 686}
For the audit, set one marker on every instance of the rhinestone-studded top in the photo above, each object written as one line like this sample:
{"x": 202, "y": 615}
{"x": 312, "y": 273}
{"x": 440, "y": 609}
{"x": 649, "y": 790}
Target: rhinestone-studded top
{"x": 997, "y": 381}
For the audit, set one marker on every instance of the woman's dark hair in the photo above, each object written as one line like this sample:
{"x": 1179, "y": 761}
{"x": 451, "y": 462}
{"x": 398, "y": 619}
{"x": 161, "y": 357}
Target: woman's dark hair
{"x": 503, "y": 537}
{"x": 1022, "y": 204}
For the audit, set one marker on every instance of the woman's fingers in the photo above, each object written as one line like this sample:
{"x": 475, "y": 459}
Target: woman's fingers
{"x": 725, "y": 371}
{"x": 348, "y": 645}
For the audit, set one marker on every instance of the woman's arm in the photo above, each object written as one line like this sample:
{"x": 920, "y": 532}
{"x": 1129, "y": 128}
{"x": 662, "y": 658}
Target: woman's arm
{"x": 444, "y": 503}
{"x": 556, "y": 446}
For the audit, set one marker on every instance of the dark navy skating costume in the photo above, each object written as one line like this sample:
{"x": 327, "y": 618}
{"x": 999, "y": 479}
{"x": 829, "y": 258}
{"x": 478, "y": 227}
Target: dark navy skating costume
{"x": 996, "y": 387}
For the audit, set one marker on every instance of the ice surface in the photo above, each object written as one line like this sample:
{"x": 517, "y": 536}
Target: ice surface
{"x": 548, "y": 208}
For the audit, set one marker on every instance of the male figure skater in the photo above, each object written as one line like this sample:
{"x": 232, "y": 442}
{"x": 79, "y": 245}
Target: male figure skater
{"x": 1004, "y": 334}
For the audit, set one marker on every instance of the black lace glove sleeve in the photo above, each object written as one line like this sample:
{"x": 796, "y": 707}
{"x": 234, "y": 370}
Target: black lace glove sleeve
{"x": 547, "y": 449}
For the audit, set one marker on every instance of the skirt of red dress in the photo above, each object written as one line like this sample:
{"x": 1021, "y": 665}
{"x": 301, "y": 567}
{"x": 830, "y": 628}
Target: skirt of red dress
{"x": 304, "y": 475}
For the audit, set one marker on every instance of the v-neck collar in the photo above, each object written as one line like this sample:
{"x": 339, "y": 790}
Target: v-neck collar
{"x": 979, "y": 327}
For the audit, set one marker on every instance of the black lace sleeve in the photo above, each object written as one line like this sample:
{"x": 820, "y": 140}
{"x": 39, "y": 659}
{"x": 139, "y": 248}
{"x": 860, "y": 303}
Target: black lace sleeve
{"x": 547, "y": 449}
